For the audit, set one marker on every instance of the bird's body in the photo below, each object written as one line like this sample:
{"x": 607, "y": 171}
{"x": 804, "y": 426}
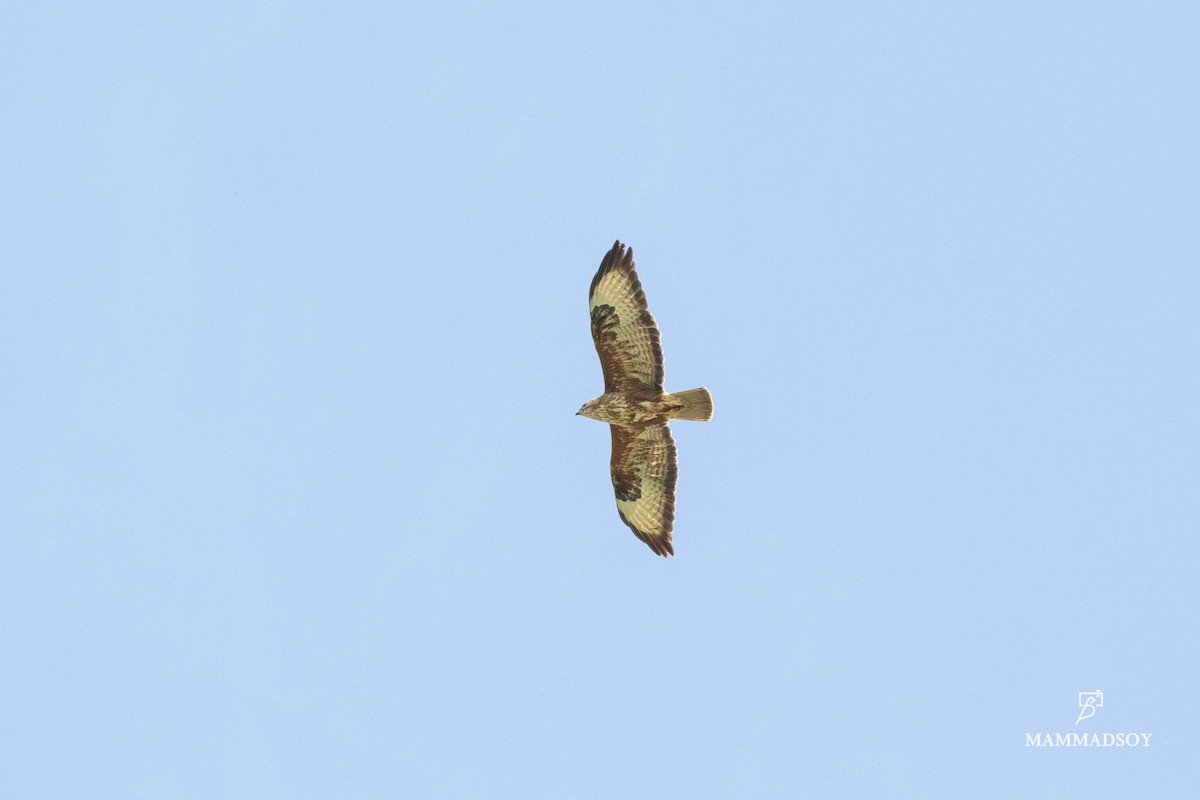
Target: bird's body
{"x": 631, "y": 408}
{"x": 643, "y": 466}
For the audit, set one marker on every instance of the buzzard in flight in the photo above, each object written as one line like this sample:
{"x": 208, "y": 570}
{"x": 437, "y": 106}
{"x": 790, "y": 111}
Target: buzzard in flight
{"x": 634, "y": 403}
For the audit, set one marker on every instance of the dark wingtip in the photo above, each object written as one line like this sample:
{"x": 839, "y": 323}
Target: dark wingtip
{"x": 622, "y": 256}
{"x": 618, "y": 257}
{"x": 620, "y": 252}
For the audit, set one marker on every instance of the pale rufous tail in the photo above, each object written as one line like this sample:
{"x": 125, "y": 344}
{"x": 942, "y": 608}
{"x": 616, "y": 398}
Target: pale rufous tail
{"x": 697, "y": 405}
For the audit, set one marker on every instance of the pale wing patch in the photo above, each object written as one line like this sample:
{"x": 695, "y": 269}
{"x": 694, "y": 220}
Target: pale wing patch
{"x": 644, "y": 470}
{"x": 625, "y": 333}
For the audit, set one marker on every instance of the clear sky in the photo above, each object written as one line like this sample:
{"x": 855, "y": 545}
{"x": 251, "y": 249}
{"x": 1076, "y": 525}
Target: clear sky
{"x": 293, "y": 499}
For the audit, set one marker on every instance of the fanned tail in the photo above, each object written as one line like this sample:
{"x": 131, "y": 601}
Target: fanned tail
{"x": 697, "y": 405}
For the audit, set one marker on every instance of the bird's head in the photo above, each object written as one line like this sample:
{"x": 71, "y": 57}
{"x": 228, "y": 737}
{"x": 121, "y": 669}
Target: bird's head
{"x": 588, "y": 409}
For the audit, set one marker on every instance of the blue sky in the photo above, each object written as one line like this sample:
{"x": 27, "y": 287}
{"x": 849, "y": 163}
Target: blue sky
{"x": 293, "y": 499}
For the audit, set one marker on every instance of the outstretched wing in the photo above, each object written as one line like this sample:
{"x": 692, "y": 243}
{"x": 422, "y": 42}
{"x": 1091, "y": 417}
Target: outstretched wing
{"x": 625, "y": 334}
{"x": 644, "y": 469}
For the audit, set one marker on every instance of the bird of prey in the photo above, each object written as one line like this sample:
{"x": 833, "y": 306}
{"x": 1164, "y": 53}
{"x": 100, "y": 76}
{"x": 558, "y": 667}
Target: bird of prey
{"x": 634, "y": 404}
